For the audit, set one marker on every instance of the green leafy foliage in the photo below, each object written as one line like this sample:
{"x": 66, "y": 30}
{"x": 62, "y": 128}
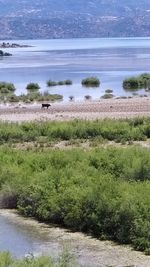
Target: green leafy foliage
{"x": 109, "y": 129}
{"x": 33, "y": 86}
{"x": 134, "y": 83}
{"x": 7, "y": 87}
{"x": 6, "y": 260}
{"x": 91, "y": 82}
{"x": 33, "y": 95}
{"x": 104, "y": 192}
{"x": 51, "y": 83}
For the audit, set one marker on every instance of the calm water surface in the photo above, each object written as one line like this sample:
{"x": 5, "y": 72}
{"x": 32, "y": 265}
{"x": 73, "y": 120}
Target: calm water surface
{"x": 21, "y": 239}
{"x": 111, "y": 60}
{"x": 22, "y": 236}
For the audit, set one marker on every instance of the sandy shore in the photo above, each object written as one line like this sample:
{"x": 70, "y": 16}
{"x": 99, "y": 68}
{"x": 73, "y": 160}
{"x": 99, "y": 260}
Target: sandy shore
{"x": 111, "y": 108}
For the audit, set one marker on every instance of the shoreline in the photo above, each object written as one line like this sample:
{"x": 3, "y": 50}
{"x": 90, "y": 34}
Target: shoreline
{"x": 86, "y": 249}
{"x": 86, "y": 110}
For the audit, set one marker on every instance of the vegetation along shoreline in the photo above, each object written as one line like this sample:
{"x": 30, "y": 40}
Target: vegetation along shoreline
{"x": 100, "y": 191}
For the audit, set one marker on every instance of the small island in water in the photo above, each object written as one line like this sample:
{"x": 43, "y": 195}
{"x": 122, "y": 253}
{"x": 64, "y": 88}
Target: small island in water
{"x": 4, "y": 54}
{"x": 12, "y": 45}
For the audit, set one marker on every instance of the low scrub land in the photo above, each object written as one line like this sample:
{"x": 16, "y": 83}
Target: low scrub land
{"x": 137, "y": 129}
{"x": 101, "y": 191}
{"x": 30, "y": 97}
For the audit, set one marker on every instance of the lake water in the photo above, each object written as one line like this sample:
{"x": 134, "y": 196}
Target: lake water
{"x": 111, "y": 60}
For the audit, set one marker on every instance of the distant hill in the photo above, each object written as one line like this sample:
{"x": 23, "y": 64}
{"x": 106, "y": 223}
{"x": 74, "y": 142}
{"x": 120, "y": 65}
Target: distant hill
{"x": 27, "y": 19}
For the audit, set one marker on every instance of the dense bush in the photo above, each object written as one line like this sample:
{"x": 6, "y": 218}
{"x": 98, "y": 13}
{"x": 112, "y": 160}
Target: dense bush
{"x": 134, "y": 83}
{"x": 68, "y": 82}
{"x": 7, "y": 87}
{"x": 33, "y": 86}
{"x": 101, "y": 191}
{"x": 53, "y": 83}
{"x": 109, "y": 129}
{"x": 91, "y": 82}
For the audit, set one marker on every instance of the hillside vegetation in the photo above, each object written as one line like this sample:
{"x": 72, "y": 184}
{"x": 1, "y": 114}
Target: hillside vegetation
{"x": 68, "y": 19}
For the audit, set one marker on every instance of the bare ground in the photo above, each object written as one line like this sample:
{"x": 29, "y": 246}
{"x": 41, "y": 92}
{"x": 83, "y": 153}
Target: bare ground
{"x": 111, "y": 108}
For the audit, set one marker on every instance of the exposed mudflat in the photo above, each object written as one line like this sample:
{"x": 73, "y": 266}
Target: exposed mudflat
{"x": 91, "y": 110}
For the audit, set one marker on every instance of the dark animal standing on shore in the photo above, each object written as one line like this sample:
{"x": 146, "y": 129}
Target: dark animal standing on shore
{"x": 46, "y": 105}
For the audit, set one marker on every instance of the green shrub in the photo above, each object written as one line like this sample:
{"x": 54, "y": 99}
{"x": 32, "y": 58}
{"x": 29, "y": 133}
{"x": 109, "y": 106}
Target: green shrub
{"x": 65, "y": 260}
{"x": 101, "y": 191}
{"x": 6, "y": 87}
{"x": 33, "y": 86}
{"x": 91, "y": 82}
{"x": 61, "y": 83}
{"x": 53, "y": 83}
{"x": 135, "y": 83}
{"x": 107, "y": 96}
{"x": 13, "y": 98}
{"x": 113, "y": 130}
{"x": 31, "y": 96}
{"x": 68, "y": 82}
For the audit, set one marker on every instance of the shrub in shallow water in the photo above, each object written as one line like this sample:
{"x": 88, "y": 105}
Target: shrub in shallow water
{"x": 91, "y": 82}
{"x": 138, "y": 82}
{"x": 33, "y": 86}
{"x": 109, "y": 91}
{"x": 53, "y": 83}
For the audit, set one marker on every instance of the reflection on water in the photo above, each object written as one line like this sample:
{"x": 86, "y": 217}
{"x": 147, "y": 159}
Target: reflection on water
{"x": 111, "y": 60}
{"x": 18, "y": 240}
